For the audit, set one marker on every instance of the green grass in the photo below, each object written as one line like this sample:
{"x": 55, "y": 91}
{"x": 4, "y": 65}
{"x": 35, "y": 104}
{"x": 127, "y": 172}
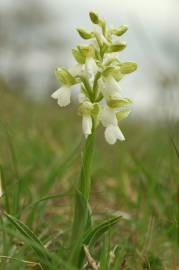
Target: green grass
{"x": 40, "y": 148}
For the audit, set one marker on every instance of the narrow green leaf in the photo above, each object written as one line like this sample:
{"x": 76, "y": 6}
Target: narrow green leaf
{"x": 95, "y": 233}
{"x": 31, "y": 237}
{"x": 82, "y": 222}
{"x": 104, "y": 256}
{"x": 3, "y": 186}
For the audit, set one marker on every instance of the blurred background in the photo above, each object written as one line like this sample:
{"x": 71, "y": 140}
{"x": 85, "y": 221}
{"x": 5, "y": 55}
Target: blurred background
{"x": 36, "y": 36}
{"x": 40, "y": 143}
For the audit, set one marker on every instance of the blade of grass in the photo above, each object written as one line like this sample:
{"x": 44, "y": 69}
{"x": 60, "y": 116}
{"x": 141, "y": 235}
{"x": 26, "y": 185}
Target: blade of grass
{"x": 33, "y": 239}
{"x": 60, "y": 169}
{"x": 4, "y": 191}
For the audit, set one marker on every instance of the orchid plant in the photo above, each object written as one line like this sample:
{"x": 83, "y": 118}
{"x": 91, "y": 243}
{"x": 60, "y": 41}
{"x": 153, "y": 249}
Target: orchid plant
{"x": 97, "y": 72}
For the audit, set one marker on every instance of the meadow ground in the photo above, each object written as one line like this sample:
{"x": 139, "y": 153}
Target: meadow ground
{"x": 40, "y": 148}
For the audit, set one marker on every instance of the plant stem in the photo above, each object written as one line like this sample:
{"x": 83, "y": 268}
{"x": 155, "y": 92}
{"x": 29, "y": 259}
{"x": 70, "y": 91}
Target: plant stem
{"x": 87, "y": 159}
{"x": 82, "y": 216}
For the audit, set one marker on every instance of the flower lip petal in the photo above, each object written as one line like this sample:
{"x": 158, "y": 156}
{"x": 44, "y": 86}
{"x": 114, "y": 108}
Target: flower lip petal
{"x": 63, "y": 95}
{"x": 108, "y": 117}
{"x": 56, "y": 94}
{"x": 87, "y": 125}
{"x": 113, "y": 133}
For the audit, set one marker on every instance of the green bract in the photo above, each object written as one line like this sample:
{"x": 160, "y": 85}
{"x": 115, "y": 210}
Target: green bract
{"x": 64, "y": 76}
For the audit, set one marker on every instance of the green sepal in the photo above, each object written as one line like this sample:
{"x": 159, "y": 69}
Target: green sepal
{"x": 64, "y": 76}
{"x": 120, "y": 31}
{"x": 84, "y": 33}
{"x": 123, "y": 114}
{"x": 85, "y": 108}
{"x": 117, "y": 47}
{"x": 96, "y": 109}
{"x": 116, "y": 103}
{"x": 86, "y": 50}
{"x": 128, "y": 67}
{"x": 94, "y": 17}
{"x": 114, "y": 71}
{"x": 78, "y": 56}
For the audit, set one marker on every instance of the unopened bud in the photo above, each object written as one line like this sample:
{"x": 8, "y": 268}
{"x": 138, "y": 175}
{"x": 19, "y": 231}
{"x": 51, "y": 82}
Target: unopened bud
{"x": 86, "y": 50}
{"x": 78, "y": 56}
{"x": 84, "y": 33}
{"x": 120, "y": 31}
{"x": 128, "y": 67}
{"x": 117, "y": 47}
{"x": 94, "y": 17}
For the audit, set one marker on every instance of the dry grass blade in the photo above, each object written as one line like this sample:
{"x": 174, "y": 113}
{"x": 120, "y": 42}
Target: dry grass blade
{"x": 92, "y": 263}
{"x": 29, "y": 263}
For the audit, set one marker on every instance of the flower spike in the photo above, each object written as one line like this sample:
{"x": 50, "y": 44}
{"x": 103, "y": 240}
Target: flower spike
{"x": 97, "y": 72}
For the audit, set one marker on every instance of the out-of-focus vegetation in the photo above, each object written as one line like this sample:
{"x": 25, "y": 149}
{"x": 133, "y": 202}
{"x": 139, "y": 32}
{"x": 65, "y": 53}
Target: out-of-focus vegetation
{"x": 40, "y": 146}
{"x": 40, "y": 160}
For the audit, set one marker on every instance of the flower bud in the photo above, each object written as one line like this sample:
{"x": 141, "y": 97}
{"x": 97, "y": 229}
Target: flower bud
{"x": 78, "y": 56}
{"x": 85, "y": 108}
{"x": 64, "y": 76}
{"x": 94, "y": 17}
{"x": 128, "y": 67}
{"x": 120, "y": 31}
{"x": 123, "y": 114}
{"x": 116, "y": 103}
{"x": 117, "y": 47}
{"x": 86, "y": 50}
{"x": 84, "y": 33}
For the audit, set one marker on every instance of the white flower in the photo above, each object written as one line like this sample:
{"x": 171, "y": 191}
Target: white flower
{"x": 90, "y": 67}
{"x": 112, "y": 87}
{"x": 109, "y": 121}
{"x": 109, "y": 57}
{"x": 113, "y": 133}
{"x": 87, "y": 125}
{"x": 78, "y": 69}
{"x": 109, "y": 87}
{"x": 63, "y": 95}
{"x": 108, "y": 117}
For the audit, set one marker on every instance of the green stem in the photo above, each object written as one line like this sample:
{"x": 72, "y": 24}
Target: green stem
{"x": 87, "y": 159}
{"x": 82, "y": 216}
